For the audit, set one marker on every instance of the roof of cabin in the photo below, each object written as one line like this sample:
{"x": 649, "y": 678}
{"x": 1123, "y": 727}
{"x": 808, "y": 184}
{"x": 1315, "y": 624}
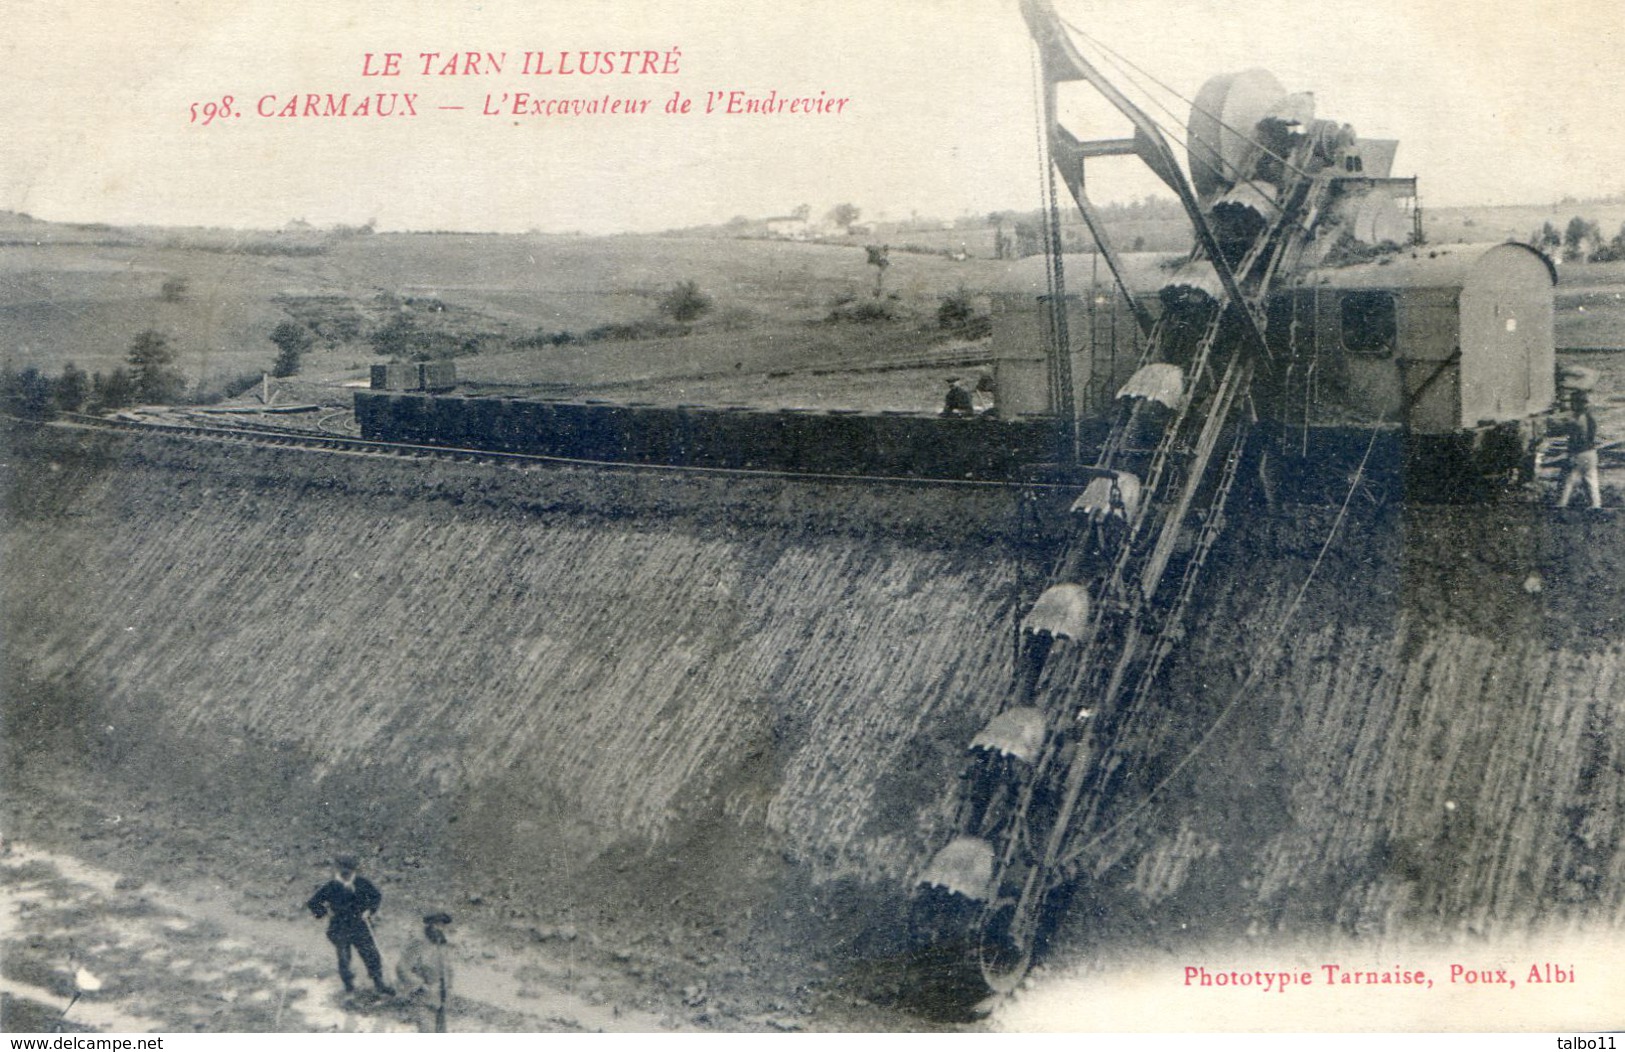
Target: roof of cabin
{"x": 1426, "y": 266}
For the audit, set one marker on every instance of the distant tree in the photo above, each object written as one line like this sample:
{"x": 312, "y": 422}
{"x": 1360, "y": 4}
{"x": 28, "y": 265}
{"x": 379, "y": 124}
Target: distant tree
{"x": 1579, "y": 237}
{"x": 396, "y": 338}
{"x": 866, "y": 311}
{"x": 173, "y": 290}
{"x": 684, "y": 302}
{"x": 1029, "y": 239}
{"x": 956, "y": 312}
{"x": 150, "y": 361}
{"x": 1003, "y": 247}
{"x": 1547, "y": 237}
{"x": 113, "y": 391}
{"x": 955, "y": 309}
{"x": 151, "y": 368}
{"x": 334, "y": 323}
{"x": 801, "y": 212}
{"x": 26, "y": 393}
{"x": 844, "y": 215}
{"x": 1612, "y": 252}
{"x": 72, "y": 389}
{"x": 878, "y": 259}
{"x": 292, "y": 341}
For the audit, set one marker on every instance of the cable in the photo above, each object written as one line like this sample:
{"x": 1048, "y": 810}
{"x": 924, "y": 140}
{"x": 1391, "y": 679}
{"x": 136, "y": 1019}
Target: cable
{"x": 1054, "y": 247}
{"x": 1118, "y": 62}
{"x": 1189, "y": 102}
{"x": 1253, "y": 673}
{"x": 1262, "y": 189}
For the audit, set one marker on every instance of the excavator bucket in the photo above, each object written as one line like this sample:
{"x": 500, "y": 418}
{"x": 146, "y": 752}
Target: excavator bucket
{"x": 1110, "y": 496}
{"x": 1192, "y": 282}
{"x": 1160, "y": 382}
{"x": 964, "y": 867}
{"x": 1242, "y": 214}
{"x": 1062, "y": 612}
{"x": 1017, "y": 732}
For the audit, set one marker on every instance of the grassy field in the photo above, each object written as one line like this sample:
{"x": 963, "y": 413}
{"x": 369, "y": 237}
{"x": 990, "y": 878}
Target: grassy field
{"x": 1591, "y": 305}
{"x": 1515, "y": 222}
{"x": 527, "y": 304}
{"x": 68, "y": 295}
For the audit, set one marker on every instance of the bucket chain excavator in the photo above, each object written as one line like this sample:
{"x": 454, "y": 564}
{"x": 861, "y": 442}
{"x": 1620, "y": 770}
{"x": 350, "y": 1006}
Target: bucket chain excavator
{"x": 1265, "y": 177}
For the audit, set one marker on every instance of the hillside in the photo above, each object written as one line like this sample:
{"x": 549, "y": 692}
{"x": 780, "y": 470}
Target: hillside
{"x": 750, "y": 691}
{"x": 513, "y": 308}
{"x": 544, "y": 311}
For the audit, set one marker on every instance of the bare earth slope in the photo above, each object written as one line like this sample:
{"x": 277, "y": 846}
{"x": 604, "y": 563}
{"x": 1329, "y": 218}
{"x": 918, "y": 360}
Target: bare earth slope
{"x": 685, "y": 696}
{"x": 480, "y": 653}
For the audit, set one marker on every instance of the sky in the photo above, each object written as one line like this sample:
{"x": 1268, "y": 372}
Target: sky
{"x": 1494, "y": 103}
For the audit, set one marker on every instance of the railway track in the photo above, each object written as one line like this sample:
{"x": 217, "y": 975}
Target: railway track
{"x": 281, "y": 438}
{"x": 328, "y": 441}
{"x": 325, "y": 442}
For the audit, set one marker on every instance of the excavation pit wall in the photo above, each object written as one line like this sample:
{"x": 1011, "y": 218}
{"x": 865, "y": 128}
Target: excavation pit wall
{"x": 618, "y": 685}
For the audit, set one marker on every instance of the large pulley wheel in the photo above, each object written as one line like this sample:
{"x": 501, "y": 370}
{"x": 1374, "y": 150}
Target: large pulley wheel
{"x": 1221, "y": 133}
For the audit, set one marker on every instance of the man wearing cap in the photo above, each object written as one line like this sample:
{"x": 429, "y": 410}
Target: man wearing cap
{"x": 349, "y": 902}
{"x": 959, "y": 401}
{"x": 424, "y": 968}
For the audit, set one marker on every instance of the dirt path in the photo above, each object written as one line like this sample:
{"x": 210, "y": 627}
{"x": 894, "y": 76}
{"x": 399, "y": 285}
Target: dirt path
{"x": 193, "y": 921}
{"x": 183, "y": 958}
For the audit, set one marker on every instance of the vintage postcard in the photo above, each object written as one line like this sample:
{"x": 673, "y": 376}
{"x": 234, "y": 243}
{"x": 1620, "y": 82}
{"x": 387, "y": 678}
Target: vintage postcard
{"x": 1042, "y": 515}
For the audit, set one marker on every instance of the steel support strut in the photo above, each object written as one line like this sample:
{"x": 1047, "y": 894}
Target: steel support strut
{"x": 1062, "y": 62}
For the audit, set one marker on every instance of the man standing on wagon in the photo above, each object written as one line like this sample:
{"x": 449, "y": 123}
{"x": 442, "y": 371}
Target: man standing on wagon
{"x": 1579, "y": 430}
